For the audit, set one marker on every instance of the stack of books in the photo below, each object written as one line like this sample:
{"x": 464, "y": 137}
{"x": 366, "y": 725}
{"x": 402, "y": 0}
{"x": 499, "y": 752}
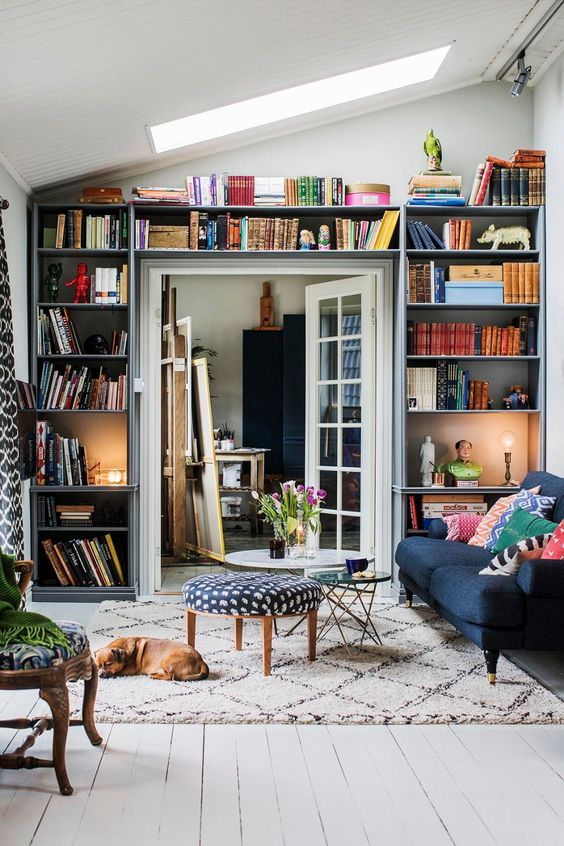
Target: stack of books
{"x": 467, "y": 339}
{"x": 519, "y": 181}
{"x": 75, "y": 230}
{"x": 82, "y": 388}
{"x": 56, "y": 334}
{"x": 435, "y": 507}
{"x": 435, "y": 188}
{"x": 59, "y": 461}
{"x": 86, "y": 563}
{"x": 422, "y": 236}
{"x": 78, "y": 516}
{"x": 118, "y": 345}
{"x": 445, "y": 387}
{"x": 25, "y": 395}
{"x": 107, "y": 232}
{"x": 108, "y": 286}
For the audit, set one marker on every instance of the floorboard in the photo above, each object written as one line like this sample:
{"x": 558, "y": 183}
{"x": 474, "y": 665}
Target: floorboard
{"x": 258, "y": 802}
{"x": 183, "y": 787}
{"x": 220, "y": 787}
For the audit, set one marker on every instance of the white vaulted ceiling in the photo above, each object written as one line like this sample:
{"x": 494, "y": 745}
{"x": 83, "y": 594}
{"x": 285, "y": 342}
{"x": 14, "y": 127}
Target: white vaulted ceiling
{"x": 81, "y": 79}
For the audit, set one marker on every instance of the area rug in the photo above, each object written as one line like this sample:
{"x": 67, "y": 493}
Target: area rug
{"x": 425, "y": 672}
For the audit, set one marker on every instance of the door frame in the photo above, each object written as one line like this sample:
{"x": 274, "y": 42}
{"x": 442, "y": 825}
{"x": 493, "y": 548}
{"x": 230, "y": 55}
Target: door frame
{"x": 148, "y": 384}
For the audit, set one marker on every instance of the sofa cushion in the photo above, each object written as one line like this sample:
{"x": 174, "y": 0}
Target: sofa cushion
{"x": 533, "y": 503}
{"x": 508, "y": 561}
{"x": 461, "y": 527}
{"x": 486, "y": 525}
{"x": 555, "y": 549}
{"x": 550, "y": 485}
{"x": 419, "y": 557}
{"x": 522, "y": 524}
{"x": 24, "y": 656}
{"x": 498, "y": 603}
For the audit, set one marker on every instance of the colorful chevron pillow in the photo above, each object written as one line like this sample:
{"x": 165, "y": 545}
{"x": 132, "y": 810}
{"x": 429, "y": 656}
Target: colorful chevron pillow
{"x": 540, "y": 506}
{"x": 508, "y": 561}
{"x": 488, "y": 522}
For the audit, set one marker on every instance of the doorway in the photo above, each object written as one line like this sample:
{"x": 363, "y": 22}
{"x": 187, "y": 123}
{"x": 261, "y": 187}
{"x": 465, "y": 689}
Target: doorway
{"x": 337, "y": 364}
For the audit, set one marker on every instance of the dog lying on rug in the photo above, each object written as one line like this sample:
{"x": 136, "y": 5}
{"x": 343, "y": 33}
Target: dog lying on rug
{"x": 167, "y": 660}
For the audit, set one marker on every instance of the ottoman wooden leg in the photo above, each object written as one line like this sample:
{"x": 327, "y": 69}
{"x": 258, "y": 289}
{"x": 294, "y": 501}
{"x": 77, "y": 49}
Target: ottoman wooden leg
{"x": 58, "y": 700}
{"x": 266, "y": 644}
{"x": 238, "y": 633}
{"x": 190, "y": 628}
{"x": 312, "y": 634}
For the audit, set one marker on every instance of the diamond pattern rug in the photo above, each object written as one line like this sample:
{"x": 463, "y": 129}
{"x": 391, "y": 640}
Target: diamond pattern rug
{"x": 425, "y": 672}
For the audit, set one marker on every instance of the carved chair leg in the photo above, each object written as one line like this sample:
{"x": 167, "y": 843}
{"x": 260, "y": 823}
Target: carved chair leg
{"x": 58, "y": 700}
{"x": 312, "y": 634}
{"x": 88, "y": 703}
{"x": 408, "y": 598}
{"x": 491, "y": 656}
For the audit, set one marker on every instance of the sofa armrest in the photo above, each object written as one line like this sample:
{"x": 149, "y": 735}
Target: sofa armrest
{"x": 542, "y": 577}
{"x": 437, "y": 529}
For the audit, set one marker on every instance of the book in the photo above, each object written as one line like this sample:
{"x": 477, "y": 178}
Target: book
{"x": 449, "y": 338}
{"x": 521, "y": 282}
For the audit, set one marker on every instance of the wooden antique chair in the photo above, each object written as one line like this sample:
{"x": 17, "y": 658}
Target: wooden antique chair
{"x": 25, "y": 667}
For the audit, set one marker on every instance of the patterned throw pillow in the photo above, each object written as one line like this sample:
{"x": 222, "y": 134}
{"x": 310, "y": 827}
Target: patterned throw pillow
{"x": 508, "y": 561}
{"x": 555, "y": 548}
{"x": 484, "y": 529}
{"x": 523, "y": 525}
{"x": 461, "y": 527}
{"x": 541, "y": 506}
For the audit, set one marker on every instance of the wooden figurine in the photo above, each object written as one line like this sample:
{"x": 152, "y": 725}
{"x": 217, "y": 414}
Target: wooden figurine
{"x": 324, "y": 237}
{"x": 82, "y": 282}
{"x": 54, "y": 273}
{"x": 267, "y": 310}
{"x": 307, "y": 240}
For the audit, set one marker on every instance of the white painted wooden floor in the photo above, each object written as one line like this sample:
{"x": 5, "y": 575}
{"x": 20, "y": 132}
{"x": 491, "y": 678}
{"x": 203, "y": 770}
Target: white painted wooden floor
{"x": 289, "y": 785}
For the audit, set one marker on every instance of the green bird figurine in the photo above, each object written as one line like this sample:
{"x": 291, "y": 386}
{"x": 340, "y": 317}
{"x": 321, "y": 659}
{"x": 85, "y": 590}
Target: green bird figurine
{"x": 432, "y": 147}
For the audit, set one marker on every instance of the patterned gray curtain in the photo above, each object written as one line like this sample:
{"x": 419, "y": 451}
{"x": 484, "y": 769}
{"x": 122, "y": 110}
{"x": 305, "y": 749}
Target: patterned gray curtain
{"x": 11, "y": 516}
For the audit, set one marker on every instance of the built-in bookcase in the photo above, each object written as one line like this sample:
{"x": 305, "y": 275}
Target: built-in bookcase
{"x": 482, "y": 427}
{"x": 103, "y": 432}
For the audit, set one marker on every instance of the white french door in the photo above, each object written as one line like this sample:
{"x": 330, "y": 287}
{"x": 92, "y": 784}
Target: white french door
{"x": 340, "y": 407}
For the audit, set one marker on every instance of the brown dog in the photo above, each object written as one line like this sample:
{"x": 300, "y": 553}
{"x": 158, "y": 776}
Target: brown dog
{"x": 168, "y": 660}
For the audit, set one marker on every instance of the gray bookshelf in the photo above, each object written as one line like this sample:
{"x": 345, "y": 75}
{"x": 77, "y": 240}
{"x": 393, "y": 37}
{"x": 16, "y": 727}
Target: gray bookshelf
{"x": 127, "y": 317}
{"x": 499, "y": 370}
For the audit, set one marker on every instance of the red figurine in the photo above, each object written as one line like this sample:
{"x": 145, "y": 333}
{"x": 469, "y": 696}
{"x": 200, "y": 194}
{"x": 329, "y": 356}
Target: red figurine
{"x": 82, "y": 282}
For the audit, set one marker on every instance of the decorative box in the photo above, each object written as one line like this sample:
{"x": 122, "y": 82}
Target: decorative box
{"x": 367, "y": 194}
{"x": 169, "y": 237}
{"x": 474, "y": 293}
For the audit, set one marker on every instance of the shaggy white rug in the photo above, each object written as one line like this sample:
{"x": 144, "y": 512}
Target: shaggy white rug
{"x": 425, "y": 672}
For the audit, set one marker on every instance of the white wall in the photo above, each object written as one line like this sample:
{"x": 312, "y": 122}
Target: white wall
{"x": 221, "y": 307}
{"x": 548, "y": 135}
{"x": 383, "y": 146}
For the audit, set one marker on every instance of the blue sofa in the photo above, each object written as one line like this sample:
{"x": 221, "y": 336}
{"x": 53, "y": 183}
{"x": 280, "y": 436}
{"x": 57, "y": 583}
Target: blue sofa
{"x": 495, "y": 612}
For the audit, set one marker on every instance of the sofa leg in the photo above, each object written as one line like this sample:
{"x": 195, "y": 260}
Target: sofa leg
{"x": 408, "y": 598}
{"x": 491, "y": 656}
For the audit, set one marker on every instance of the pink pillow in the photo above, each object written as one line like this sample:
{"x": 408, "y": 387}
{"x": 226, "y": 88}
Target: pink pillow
{"x": 461, "y": 527}
{"x": 493, "y": 515}
{"x": 555, "y": 548}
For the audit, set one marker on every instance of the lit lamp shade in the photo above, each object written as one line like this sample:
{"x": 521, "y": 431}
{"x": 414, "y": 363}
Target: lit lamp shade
{"x": 113, "y": 476}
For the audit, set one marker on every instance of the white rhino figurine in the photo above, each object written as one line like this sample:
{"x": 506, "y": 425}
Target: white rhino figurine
{"x": 506, "y": 235}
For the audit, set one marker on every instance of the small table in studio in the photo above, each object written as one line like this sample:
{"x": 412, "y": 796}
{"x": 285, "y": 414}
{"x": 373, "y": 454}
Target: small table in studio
{"x": 255, "y": 458}
{"x": 336, "y": 585}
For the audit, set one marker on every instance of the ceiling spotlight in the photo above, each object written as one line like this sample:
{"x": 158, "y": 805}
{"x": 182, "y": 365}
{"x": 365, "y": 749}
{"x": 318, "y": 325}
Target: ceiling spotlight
{"x": 523, "y": 76}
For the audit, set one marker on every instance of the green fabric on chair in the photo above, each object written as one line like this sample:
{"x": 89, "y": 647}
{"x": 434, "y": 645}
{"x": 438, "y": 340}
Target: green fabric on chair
{"x": 523, "y": 525}
{"x": 23, "y": 626}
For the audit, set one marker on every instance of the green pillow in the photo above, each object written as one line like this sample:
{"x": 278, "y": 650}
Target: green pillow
{"x": 522, "y": 524}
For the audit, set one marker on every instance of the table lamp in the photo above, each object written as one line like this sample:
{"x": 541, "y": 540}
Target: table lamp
{"x": 507, "y": 441}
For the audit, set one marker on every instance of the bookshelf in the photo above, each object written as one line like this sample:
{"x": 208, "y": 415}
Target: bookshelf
{"x": 104, "y": 431}
{"x": 482, "y": 426}
{"x": 120, "y": 428}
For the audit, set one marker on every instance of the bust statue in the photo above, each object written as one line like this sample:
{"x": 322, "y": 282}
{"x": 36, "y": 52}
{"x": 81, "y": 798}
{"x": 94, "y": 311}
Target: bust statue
{"x": 462, "y": 467}
{"x": 427, "y": 455}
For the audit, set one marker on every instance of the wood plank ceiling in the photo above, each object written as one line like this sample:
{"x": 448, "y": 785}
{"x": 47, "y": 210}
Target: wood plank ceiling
{"x": 81, "y": 79}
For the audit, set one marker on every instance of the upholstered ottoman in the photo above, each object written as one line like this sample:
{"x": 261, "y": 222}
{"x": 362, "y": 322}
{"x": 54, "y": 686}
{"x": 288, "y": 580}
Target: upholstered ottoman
{"x": 244, "y": 596}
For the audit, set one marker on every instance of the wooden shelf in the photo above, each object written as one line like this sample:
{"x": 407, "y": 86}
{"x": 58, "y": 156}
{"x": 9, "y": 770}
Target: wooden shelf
{"x": 472, "y": 306}
{"x": 78, "y": 529}
{"x": 253, "y": 255}
{"x": 473, "y": 357}
{"x": 472, "y": 254}
{"x": 470, "y": 211}
{"x": 54, "y": 593}
{"x": 71, "y": 252}
{"x": 81, "y": 411}
{"x": 476, "y": 411}
{"x": 86, "y": 306}
{"x": 481, "y": 489}
{"x": 83, "y": 357}
{"x": 51, "y": 489}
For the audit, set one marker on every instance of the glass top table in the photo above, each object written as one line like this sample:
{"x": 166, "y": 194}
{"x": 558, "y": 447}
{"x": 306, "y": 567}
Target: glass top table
{"x": 260, "y": 558}
{"x": 344, "y": 578}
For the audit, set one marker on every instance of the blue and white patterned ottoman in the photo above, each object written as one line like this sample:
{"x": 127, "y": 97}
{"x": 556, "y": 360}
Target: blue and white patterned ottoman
{"x": 248, "y": 595}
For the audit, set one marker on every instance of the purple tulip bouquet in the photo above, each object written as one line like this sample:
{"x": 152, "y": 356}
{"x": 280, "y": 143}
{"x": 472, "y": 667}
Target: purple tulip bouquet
{"x": 292, "y": 512}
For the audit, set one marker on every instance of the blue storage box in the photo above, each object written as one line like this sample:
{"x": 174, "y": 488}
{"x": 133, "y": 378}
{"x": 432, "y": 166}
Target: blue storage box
{"x": 474, "y": 293}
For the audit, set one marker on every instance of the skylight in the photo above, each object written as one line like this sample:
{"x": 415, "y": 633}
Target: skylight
{"x": 299, "y": 100}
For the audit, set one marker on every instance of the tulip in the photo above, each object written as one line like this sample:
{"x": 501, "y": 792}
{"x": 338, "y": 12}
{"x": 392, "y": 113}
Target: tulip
{"x": 311, "y": 499}
{"x": 275, "y": 496}
{"x": 299, "y": 488}
{"x": 321, "y": 494}
{"x": 255, "y": 495}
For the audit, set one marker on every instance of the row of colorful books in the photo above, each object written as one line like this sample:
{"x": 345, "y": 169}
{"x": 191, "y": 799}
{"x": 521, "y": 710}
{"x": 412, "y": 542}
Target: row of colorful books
{"x": 513, "y": 283}
{"x": 445, "y": 387}
{"x": 518, "y": 181}
{"x": 59, "y": 460}
{"x": 81, "y": 388}
{"x": 366, "y": 234}
{"x": 75, "y": 230}
{"x": 222, "y": 189}
{"x": 85, "y": 562}
{"x": 118, "y": 344}
{"x": 520, "y": 338}
{"x": 56, "y": 334}
{"x": 436, "y": 506}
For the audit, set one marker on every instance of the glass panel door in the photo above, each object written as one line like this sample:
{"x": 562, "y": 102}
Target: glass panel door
{"x": 340, "y": 442}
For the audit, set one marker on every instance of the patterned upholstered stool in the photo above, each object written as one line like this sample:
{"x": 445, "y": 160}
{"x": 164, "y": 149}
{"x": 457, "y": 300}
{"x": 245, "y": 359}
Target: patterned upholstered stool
{"x": 27, "y": 667}
{"x": 250, "y": 596}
